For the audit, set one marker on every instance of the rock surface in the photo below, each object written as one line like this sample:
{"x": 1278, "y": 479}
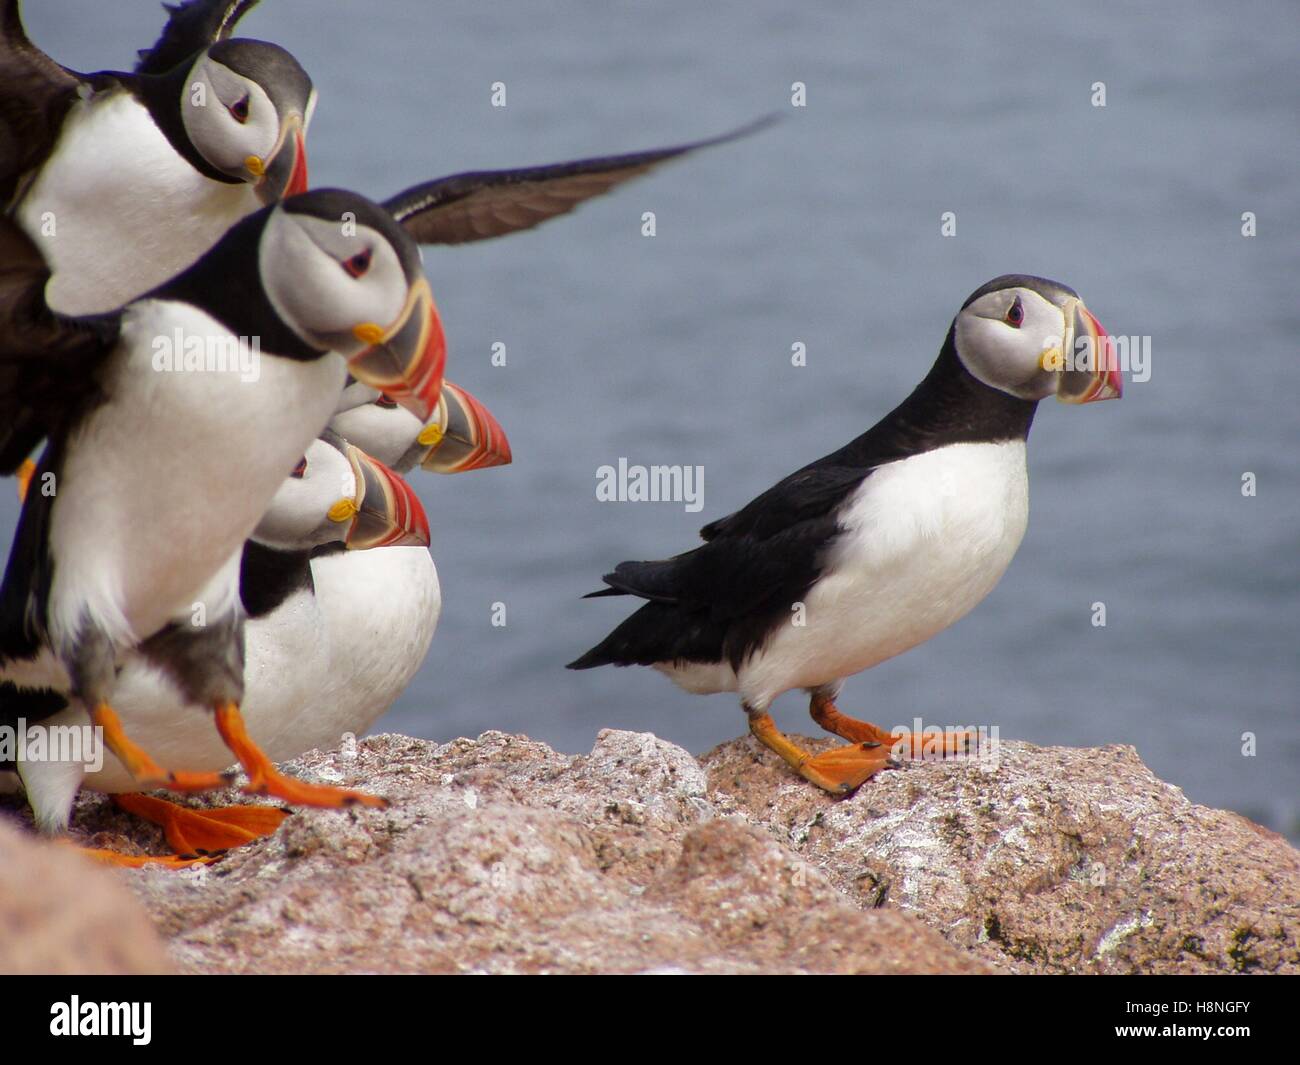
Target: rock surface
{"x": 500, "y": 855}
{"x": 58, "y": 916}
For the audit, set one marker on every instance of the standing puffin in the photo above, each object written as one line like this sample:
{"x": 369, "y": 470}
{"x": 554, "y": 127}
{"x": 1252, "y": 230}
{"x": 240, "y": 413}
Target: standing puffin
{"x": 876, "y": 547}
{"x": 126, "y": 178}
{"x": 159, "y": 477}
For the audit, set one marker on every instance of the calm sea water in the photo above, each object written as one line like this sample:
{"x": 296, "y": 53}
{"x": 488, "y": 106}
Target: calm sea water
{"x": 826, "y": 231}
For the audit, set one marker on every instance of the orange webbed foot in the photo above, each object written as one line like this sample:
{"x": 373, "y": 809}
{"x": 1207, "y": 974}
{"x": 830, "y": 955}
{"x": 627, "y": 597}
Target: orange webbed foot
{"x": 899, "y": 744}
{"x": 205, "y": 831}
{"x": 842, "y": 770}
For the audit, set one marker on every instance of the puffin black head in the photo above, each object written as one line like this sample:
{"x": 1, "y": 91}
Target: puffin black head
{"x": 345, "y": 277}
{"x": 1031, "y": 338}
{"x": 244, "y": 108}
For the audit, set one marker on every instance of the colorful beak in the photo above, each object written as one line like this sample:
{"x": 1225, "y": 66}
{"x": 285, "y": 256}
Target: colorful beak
{"x": 286, "y": 172}
{"x": 386, "y": 513}
{"x": 406, "y": 360}
{"x": 1094, "y": 372}
{"x": 462, "y": 435}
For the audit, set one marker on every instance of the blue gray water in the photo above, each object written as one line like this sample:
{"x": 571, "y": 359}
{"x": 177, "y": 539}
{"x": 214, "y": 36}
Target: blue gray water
{"x": 826, "y": 231}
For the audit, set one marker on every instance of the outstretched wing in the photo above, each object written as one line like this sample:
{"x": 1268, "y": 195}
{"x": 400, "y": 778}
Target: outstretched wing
{"x": 35, "y": 94}
{"x": 48, "y": 363}
{"x": 191, "y": 26}
{"x": 481, "y": 204}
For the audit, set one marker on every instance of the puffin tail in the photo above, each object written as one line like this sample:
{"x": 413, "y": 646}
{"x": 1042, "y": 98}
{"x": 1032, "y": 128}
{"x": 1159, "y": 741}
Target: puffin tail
{"x": 593, "y": 658}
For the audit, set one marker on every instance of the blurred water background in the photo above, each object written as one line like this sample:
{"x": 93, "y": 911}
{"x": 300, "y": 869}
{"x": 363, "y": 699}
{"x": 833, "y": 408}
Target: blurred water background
{"x": 826, "y": 230}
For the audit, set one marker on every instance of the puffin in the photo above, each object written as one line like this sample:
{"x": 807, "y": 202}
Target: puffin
{"x": 460, "y": 436}
{"x": 126, "y": 178}
{"x": 302, "y": 689}
{"x": 161, "y": 470}
{"x": 876, "y": 547}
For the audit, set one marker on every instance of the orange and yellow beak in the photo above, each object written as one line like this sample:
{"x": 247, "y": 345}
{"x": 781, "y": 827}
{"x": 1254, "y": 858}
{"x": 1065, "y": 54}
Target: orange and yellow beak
{"x": 283, "y": 172}
{"x": 385, "y": 513}
{"x": 405, "y": 360}
{"x": 462, "y": 435}
{"x": 1094, "y": 373}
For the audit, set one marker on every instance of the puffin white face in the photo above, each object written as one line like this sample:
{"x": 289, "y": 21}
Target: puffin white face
{"x": 377, "y": 425}
{"x": 339, "y": 494}
{"x": 230, "y": 119}
{"x": 1032, "y": 344}
{"x": 345, "y": 277}
{"x": 299, "y": 515}
{"x": 329, "y": 279}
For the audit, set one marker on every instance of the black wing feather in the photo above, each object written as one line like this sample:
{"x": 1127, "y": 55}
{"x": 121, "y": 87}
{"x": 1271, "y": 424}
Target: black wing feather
{"x": 191, "y": 26}
{"x": 35, "y": 94}
{"x": 481, "y": 204}
{"x": 29, "y": 572}
{"x": 48, "y": 363}
{"x": 722, "y": 600}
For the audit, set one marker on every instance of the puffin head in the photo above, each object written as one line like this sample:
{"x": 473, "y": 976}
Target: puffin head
{"x": 460, "y": 435}
{"x": 245, "y": 107}
{"x": 344, "y": 276}
{"x": 339, "y": 494}
{"x": 1033, "y": 338}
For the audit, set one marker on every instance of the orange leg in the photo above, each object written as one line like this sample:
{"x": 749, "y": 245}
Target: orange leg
{"x": 204, "y": 832}
{"x": 142, "y": 767}
{"x": 839, "y": 771}
{"x": 906, "y": 744}
{"x": 265, "y": 779}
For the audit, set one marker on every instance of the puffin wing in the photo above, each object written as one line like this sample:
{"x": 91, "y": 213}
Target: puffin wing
{"x": 804, "y": 495}
{"x": 721, "y": 600}
{"x": 480, "y": 204}
{"x": 48, "y": 363}
{"x": 192, "y": 25}
{"x": 35, "y": 94}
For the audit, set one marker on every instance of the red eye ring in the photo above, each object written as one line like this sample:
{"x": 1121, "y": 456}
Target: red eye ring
{"x": 1015, "y": 314}
{"x": 384, "y": 402}
{"x": 358, "y": 264}
{"x": 301, "y": 469}
{"x": 239, "y": 109}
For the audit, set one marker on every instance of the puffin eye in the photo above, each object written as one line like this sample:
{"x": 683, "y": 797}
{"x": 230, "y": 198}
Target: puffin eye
{"x": 1015, "y": 314}
{"x": 358, "y": 264}
{"x": 239, "y": 109}
{"x": 300, "y": 470}
{"x": 385, "y": 402}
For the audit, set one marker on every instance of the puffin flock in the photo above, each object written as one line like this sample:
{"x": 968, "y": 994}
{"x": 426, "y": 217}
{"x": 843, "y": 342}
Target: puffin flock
{"x": 213, "y": 378}
{"x": 225, "y": 376}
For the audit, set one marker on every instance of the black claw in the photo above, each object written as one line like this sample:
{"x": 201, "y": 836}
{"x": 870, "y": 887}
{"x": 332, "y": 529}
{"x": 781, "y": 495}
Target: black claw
{"x": 350, "y": 800}
{"x": 188, "y": 857}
